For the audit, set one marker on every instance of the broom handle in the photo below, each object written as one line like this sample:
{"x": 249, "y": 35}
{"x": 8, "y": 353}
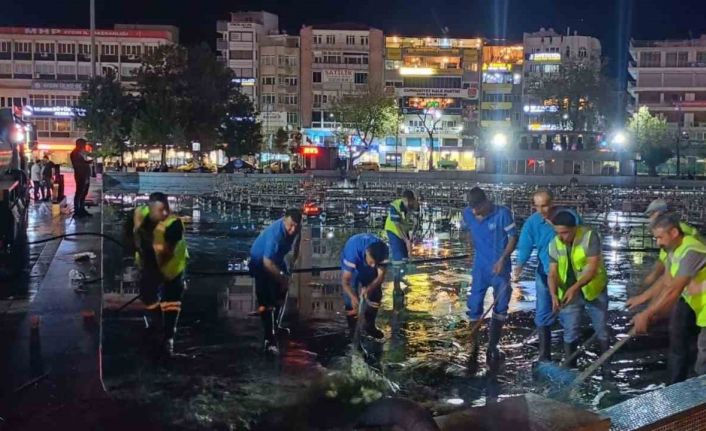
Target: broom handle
{"x": 604, "y": 357}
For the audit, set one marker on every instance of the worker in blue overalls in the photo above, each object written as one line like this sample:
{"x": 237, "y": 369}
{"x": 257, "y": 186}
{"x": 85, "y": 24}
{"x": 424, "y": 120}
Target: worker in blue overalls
{"x": 494, "y": 236}
{"x": 362, "y": 275}
{"x": 538, "y": 233}
{"x": 397, "y": 228}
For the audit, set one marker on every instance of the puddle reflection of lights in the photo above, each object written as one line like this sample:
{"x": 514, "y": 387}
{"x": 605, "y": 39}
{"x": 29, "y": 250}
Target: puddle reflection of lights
{"x": 454, "y": 401}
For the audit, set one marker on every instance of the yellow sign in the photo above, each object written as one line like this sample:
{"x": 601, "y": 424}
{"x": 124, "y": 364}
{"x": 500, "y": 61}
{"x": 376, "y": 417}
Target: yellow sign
{"x": 497, "y": 66}
{"x": 546, "y": 56}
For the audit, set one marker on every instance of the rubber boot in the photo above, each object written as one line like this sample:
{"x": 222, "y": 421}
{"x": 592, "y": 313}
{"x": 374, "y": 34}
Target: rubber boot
{"x": 545, "y": 343}
{"x": 371, "y": 314}
{"x": 170, "y": 324}
{"x": 494, "y": 355}
{"x": 352, "y": 321}
{"x": 473, "y": 355}
{"x": 569, "y": 349}
{"x": 268, "y": 326}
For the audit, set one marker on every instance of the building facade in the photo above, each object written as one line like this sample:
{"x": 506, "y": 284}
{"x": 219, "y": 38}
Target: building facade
{"x": 501, "y": 92}
{"x": 42, "y": 70}
{"x": 436, "y": 82}
{"x": 544, "y": 142}
{"x": 335, "y": 60}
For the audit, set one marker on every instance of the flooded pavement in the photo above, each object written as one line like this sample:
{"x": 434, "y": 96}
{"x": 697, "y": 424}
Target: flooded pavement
{"x": 222, "y": 380}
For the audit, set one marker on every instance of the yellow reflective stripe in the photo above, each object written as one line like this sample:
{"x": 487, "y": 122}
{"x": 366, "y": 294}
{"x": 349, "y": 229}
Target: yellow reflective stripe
{"x": 349, "y": 264}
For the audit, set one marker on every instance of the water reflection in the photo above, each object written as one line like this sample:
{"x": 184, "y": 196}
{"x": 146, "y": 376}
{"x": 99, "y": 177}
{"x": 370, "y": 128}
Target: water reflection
{"x": 426, "y": 347}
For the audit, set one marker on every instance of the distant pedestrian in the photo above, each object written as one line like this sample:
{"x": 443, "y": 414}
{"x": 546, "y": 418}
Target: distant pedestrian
{"x": 36, "y": 176}
{"x": 82, "y": 176}
{"x": 47, "y": 177}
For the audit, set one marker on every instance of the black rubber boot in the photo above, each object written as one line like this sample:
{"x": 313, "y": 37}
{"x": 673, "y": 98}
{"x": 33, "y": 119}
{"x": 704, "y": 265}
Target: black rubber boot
{"x": 494, "y": 355}
{"x": 371, "y": 314}
{"x": 545, "y": 343}
{"x": 352, "y": 321}
{"x": 473, "y": 355}
{"x": 170, "y": 324}
{"x": 569, "y": 349}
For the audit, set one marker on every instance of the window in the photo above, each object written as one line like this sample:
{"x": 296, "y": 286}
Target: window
{"x": 287, "y": 61}
{"x": 582, "y": 52}
{"x": 268, "y": 80}
{"x": 318, "y": 39}
{"x": 150, "y": 49}
{"x": 364, "y": 40}
{"x": 5, "y": 46}
{"x": 109, "y": 49}
{"x": 6, "y": 69}
{"x": 650, "y": 59}
{"x": 23, "y": 68}
{"x": 322, "y": 99}
{"x": 44, "y": 48}
{"x": 268, "y": 60}
{"x": 701, "y": 57}
{"x": 355, "y": 58}
{"x": 290, "y": 81}
{"x": 131, "y": 50}
{"x": 39, "y": 100}
{"x": 84, "y": 49}
{"x": 292, "y": 118}
{"x": 61, "y": 126}
{"x": 350, "y": 40}
{"x": 23, "y": 47}
{"x": 360, "y": 78}
{"x": 288, "y": 99}
{"x": 682, "y": 59}
{"x": 330, "y": 39}
{"x": 44, "y": 69}
{"x": 568, "y": 52}
{"x": 66, "y": 69}
{"x": 240, "y": 36}
{"x": 66, "y": 48}
{"x": 332, "y": 58}
{"x": 240, "y": 55}
{"x": 316, "y": 76}
{"x": 392, "y": 64}
{"x": 268, "y": 99}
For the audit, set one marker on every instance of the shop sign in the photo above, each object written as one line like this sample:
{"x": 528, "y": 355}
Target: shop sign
{"x": 466, "y": 93}
{"x": 340, "y": 76}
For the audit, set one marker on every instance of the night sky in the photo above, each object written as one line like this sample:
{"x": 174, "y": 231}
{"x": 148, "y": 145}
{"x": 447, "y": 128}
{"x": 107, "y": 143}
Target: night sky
{"x": 612, "y": 21}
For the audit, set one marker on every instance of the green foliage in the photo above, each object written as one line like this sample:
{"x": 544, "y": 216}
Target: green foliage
{"x": 108, "y": 114}
{"x": 651, "y": 137}
{"x": 368, "y": 116}
{"x": 281, "y": 141}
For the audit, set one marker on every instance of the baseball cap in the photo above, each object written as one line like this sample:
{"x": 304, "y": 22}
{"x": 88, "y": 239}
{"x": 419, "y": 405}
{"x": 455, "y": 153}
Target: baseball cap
{"x": 657, "y": 205}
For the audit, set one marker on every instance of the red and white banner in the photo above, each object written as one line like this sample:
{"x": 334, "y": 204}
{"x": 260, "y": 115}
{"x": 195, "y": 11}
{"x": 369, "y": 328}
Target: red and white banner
{"x": 68, "y": 32}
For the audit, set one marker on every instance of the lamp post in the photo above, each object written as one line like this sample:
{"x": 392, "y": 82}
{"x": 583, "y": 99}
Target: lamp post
{"x": 93, "y": 38}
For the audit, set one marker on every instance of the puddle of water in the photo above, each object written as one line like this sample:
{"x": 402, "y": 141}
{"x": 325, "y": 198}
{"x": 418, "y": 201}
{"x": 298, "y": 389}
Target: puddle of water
{"x": 223, "y": 378}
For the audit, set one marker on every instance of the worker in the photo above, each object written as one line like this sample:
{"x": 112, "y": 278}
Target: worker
{"x": 362, "y": 275}
{"x": 494, "y": 236}
{"x": 680, "y": 291}
{"x": 82, "y": 177}
{"x": 538, "y": 233}
{"x": 656, "y": 208}
{"x": 577, "y": 280}
{"x": 270, "y": 271}
{"x": 161, "y": 256}
{"x": 397, "y": 228}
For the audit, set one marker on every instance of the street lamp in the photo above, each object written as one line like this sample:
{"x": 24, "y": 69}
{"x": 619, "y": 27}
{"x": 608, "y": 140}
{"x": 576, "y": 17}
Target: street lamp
{"x": 499, "y": 141}
{"x": 620, "y": 139}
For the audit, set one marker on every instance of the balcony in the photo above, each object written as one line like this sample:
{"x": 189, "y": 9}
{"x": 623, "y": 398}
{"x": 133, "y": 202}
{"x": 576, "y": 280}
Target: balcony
{"x": 496, "y": 106}
{"x": 130, "y": 59}
{"x": 221, "y": 44}
{"x": 66, "y": 57}
{"x": 46, "y": 56}
{"x": 5, "y": 55}
{"x": 22, "y": 56}
{"x": 106, "y": 58}
{"x": 497, "y": 88}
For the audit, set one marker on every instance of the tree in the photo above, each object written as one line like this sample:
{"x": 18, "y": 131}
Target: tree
{"x": 160, "y": 81}
{"x": 239, "y": 128}
{"x": 576, "y": 91}
{"x": 281, "y": 141}
{"x": 106, "y": 112}
{"x": 651, "y": 137}
{"x": 367, "y": 117}
{"x": 430, "y": 120}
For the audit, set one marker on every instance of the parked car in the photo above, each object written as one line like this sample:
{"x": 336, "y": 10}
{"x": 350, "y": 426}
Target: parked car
{"x": 238, "y": 165}
{"x": 195, "y": 167}
{"x": 368, "y": 166}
